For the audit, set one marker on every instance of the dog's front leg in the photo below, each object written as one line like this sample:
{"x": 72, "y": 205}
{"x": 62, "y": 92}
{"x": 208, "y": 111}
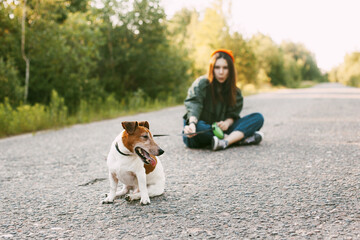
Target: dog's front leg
{"x": 113, "y": 186}
{"x": 143, "y": 189}
{"x": 143, "y": 194}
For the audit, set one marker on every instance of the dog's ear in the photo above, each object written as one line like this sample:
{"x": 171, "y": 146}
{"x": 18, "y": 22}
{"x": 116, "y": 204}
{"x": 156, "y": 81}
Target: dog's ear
{"x": 130, "y": 126}
{"x": 144, "y": 124}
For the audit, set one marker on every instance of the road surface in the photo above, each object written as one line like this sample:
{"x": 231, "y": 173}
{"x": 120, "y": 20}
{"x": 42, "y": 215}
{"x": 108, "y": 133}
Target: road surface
{"x": 301, "y": 182}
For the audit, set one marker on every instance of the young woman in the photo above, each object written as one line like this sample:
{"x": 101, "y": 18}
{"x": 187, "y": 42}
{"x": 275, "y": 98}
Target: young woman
{"x": 215, "y": 98}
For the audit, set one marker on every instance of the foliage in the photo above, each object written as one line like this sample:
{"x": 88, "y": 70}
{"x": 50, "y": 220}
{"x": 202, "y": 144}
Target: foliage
{"x": 286, "y": 65}
{"x": 304, "y": 59}
{"x": 348, "y": 73}
{"x": 86, "y": 53}
{"x": 10, "y": 87}
{"x": 31, "y": 118}
{"x": 269, "y": 59}
{"x": 65, "y": 59}
{"x": 27, "y": 118}
{"x": 137, "y": 53}
{"x": 292, "y": 71}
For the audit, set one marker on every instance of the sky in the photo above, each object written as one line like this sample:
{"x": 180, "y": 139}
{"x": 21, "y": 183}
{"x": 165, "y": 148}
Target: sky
{"x": 329, "y": 29}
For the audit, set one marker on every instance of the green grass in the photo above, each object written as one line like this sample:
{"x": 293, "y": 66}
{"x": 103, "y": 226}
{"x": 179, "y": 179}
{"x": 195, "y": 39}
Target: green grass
{"x": 307, "y": 84}
{"x": 32, "y": 118}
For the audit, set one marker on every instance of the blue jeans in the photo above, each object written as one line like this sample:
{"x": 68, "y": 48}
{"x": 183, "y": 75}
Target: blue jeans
{"x": 247, "y": 125}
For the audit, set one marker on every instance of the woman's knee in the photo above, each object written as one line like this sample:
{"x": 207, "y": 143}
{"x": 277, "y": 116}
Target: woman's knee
{"x": 256, "y": 121}
{"x": 259, "y": 117}
{"x": 259, "y": 120}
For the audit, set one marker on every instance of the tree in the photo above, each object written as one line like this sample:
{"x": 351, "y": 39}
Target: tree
{"x": 348, "y": 73}
{"x": 10, "y": 86}
{"x": 292, "y": 71}
{"x": 269, "y": 58}
{"x": 305, "y": 60}
{"x": 177, "y": 27}
{"x": 63, "y": 47}
{"x": 10, "y": 47}
{"x": 26, "y": 59}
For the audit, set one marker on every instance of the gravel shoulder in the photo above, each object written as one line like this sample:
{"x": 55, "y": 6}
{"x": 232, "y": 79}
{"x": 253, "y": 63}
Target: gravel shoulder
{"x": 301, "y": 182}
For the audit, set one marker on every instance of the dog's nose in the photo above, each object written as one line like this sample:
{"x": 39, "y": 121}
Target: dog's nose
{"x": 161, "y": 151}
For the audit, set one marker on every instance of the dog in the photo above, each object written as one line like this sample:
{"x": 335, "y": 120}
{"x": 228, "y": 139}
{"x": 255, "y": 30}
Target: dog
{"x": 132, "y": 161}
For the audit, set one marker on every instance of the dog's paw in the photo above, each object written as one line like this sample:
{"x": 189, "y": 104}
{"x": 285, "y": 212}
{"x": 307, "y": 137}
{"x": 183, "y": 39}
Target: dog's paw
{"x": 136, "y": 196}
{"x": 128, "y": 198}
{"x": 107, "y": 201}
{"x": 145, "y": 201}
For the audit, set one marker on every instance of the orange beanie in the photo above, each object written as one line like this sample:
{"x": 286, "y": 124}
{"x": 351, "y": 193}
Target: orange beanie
{"x": 228, "y": 52}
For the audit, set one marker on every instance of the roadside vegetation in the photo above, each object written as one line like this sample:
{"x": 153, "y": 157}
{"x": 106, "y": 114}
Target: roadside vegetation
{"x": 77, "y": 61}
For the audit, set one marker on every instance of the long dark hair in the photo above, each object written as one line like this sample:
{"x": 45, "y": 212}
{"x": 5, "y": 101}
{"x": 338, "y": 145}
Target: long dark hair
{"x": 223, "y": 92}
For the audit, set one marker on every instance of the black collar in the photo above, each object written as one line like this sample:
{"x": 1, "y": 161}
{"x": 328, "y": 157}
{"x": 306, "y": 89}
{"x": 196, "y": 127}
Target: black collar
{"x": 117, "y": 148}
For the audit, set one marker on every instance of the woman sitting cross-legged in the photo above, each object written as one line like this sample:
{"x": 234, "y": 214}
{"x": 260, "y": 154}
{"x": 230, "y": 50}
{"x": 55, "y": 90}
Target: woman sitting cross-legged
{"x": 215, "y": 98}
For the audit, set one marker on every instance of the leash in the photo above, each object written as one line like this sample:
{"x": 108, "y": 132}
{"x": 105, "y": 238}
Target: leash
{"x": 214, "y": 128}
{"x": 181, "y": 134}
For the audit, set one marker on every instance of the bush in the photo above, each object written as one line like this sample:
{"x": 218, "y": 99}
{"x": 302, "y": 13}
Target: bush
{"x": 27, "y": 118}
{"x": 9, "y": 82}
{"x": 354, "y": 81}
{"x": 57, "y": 111}
{"x": 5, "y": 117}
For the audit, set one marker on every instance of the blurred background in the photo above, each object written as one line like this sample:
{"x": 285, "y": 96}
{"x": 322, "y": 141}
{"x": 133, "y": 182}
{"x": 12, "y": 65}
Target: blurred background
{"x": 74, "y": 61}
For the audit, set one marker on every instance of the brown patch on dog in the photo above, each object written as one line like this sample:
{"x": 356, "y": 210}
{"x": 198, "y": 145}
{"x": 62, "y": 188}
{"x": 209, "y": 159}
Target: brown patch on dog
{"x": 126, "y": 142}
{"x": 113, "y": 175}
{"x": 130, "y": 127}
{"x": 144, "y": 124}
{"x": 148, "y": 167}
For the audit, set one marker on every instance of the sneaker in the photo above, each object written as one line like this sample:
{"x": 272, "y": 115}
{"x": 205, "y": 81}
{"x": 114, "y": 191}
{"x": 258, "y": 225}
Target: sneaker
{"x": 217, "y": 144}
{"x": 254, "y": 139}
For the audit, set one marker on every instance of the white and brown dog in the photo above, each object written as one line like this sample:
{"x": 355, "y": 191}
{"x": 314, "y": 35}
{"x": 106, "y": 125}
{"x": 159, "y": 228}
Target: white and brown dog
{"x": 132, "y": 161}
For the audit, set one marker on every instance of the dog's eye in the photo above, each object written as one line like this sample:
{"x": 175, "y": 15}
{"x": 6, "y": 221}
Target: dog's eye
{"x": 145, "y": 136}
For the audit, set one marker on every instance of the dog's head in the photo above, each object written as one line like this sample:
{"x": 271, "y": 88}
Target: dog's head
{"x": 138, "y": 139}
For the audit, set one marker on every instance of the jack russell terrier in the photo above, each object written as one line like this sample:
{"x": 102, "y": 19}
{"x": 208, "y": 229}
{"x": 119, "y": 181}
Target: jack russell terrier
{"x": 132, "y": 161}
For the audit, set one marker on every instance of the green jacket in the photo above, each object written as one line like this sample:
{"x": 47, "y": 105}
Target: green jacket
{"x": 199, "y": 103}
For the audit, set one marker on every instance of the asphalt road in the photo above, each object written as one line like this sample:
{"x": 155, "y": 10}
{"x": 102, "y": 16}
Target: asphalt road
{"x": 301, "y": 182}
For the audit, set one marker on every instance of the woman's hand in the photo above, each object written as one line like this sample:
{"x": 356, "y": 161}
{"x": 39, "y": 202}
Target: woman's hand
{"x": 191, "y": 128}
{"x": 224, "y": 125}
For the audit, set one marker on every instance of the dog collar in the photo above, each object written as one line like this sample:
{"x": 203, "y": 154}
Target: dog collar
{"x": 117, "y": 149}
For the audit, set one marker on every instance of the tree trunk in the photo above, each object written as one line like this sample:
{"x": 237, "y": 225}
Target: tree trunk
{"x": 110, "y": 47}
{"x": 26, "y": 59}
